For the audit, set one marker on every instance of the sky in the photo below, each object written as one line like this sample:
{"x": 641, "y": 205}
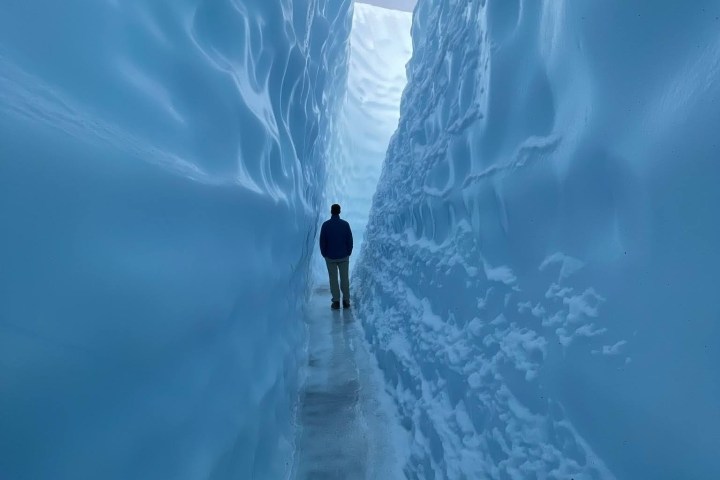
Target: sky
{"x": 406, "y": 5}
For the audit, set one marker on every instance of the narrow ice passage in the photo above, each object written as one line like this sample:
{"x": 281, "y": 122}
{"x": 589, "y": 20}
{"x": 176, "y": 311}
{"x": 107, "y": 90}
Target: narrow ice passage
{"x": 347, "y": 424}
{"x": 379, "y": 48}
{"x": 536, "y": 287}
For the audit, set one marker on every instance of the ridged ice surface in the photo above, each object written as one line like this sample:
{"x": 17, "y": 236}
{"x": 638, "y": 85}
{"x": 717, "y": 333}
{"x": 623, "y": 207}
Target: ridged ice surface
{"x": 539, "y": 277}
{"x": 161, "y": 170}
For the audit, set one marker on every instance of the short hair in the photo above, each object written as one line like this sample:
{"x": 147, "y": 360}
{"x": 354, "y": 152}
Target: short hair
{"x": 335, "y": 209}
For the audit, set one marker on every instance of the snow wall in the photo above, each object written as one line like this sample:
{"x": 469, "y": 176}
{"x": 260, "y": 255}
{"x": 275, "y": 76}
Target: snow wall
{"x": 539, "y": 277}
{"x": 161, "y": 171}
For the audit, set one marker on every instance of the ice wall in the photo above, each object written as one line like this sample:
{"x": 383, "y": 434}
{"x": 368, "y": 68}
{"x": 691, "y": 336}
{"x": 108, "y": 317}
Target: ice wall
{"x": 380, "y": 46}
{"x": 539, "y": 278}
{"x": 161, "y": 170}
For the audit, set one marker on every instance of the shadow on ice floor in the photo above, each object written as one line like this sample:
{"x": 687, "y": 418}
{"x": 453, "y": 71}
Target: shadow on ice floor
{"x": 346, "y": 426}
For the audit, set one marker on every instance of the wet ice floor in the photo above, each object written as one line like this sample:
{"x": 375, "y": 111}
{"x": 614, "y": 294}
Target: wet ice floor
{"x": 346, "y": 426}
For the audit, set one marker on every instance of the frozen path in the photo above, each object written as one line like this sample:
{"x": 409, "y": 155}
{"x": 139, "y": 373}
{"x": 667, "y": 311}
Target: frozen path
{"x": 346, "y": 429}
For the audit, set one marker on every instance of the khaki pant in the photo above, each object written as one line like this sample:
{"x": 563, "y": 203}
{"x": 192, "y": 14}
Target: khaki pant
{"x": 342, "y": 265}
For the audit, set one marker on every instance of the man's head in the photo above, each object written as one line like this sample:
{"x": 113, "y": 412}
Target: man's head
{"x": 335, "y": 209}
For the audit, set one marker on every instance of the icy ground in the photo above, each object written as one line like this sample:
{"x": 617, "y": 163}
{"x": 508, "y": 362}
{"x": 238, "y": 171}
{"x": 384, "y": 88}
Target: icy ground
{"x": 347, "y": 426}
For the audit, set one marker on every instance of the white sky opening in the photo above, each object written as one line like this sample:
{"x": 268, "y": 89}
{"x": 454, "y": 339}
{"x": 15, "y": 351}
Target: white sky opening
{"x": 380, "y": 47}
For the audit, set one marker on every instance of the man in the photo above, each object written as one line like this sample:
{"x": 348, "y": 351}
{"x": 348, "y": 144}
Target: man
{"x": 336, "y": 244}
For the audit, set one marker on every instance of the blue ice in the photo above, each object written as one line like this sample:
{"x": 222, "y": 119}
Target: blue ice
{"x": 532, "y": 184}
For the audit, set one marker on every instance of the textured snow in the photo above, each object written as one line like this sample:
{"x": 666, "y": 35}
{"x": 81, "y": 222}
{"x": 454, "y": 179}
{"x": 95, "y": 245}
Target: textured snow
{"x": 538, "y": 279}
{"x": 161, "y": 173}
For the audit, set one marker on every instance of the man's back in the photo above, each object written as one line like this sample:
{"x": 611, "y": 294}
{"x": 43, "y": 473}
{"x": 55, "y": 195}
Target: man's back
{"x": 336, "y": 244}
{"x": 336, "y": 240}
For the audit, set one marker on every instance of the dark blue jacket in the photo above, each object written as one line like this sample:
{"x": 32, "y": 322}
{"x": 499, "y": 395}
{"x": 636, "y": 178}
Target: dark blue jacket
{"x": 336, "y": 240}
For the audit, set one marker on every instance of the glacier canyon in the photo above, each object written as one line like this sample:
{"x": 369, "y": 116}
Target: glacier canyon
{"x": 532, "y": 185}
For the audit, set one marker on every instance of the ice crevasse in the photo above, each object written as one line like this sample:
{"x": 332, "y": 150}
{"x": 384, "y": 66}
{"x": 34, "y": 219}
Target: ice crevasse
{"x": 538, "y": 274}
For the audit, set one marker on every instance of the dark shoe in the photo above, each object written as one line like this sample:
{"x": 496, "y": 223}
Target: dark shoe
{"x": 335, "y": 305}
{"x": 346, "y": 303}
